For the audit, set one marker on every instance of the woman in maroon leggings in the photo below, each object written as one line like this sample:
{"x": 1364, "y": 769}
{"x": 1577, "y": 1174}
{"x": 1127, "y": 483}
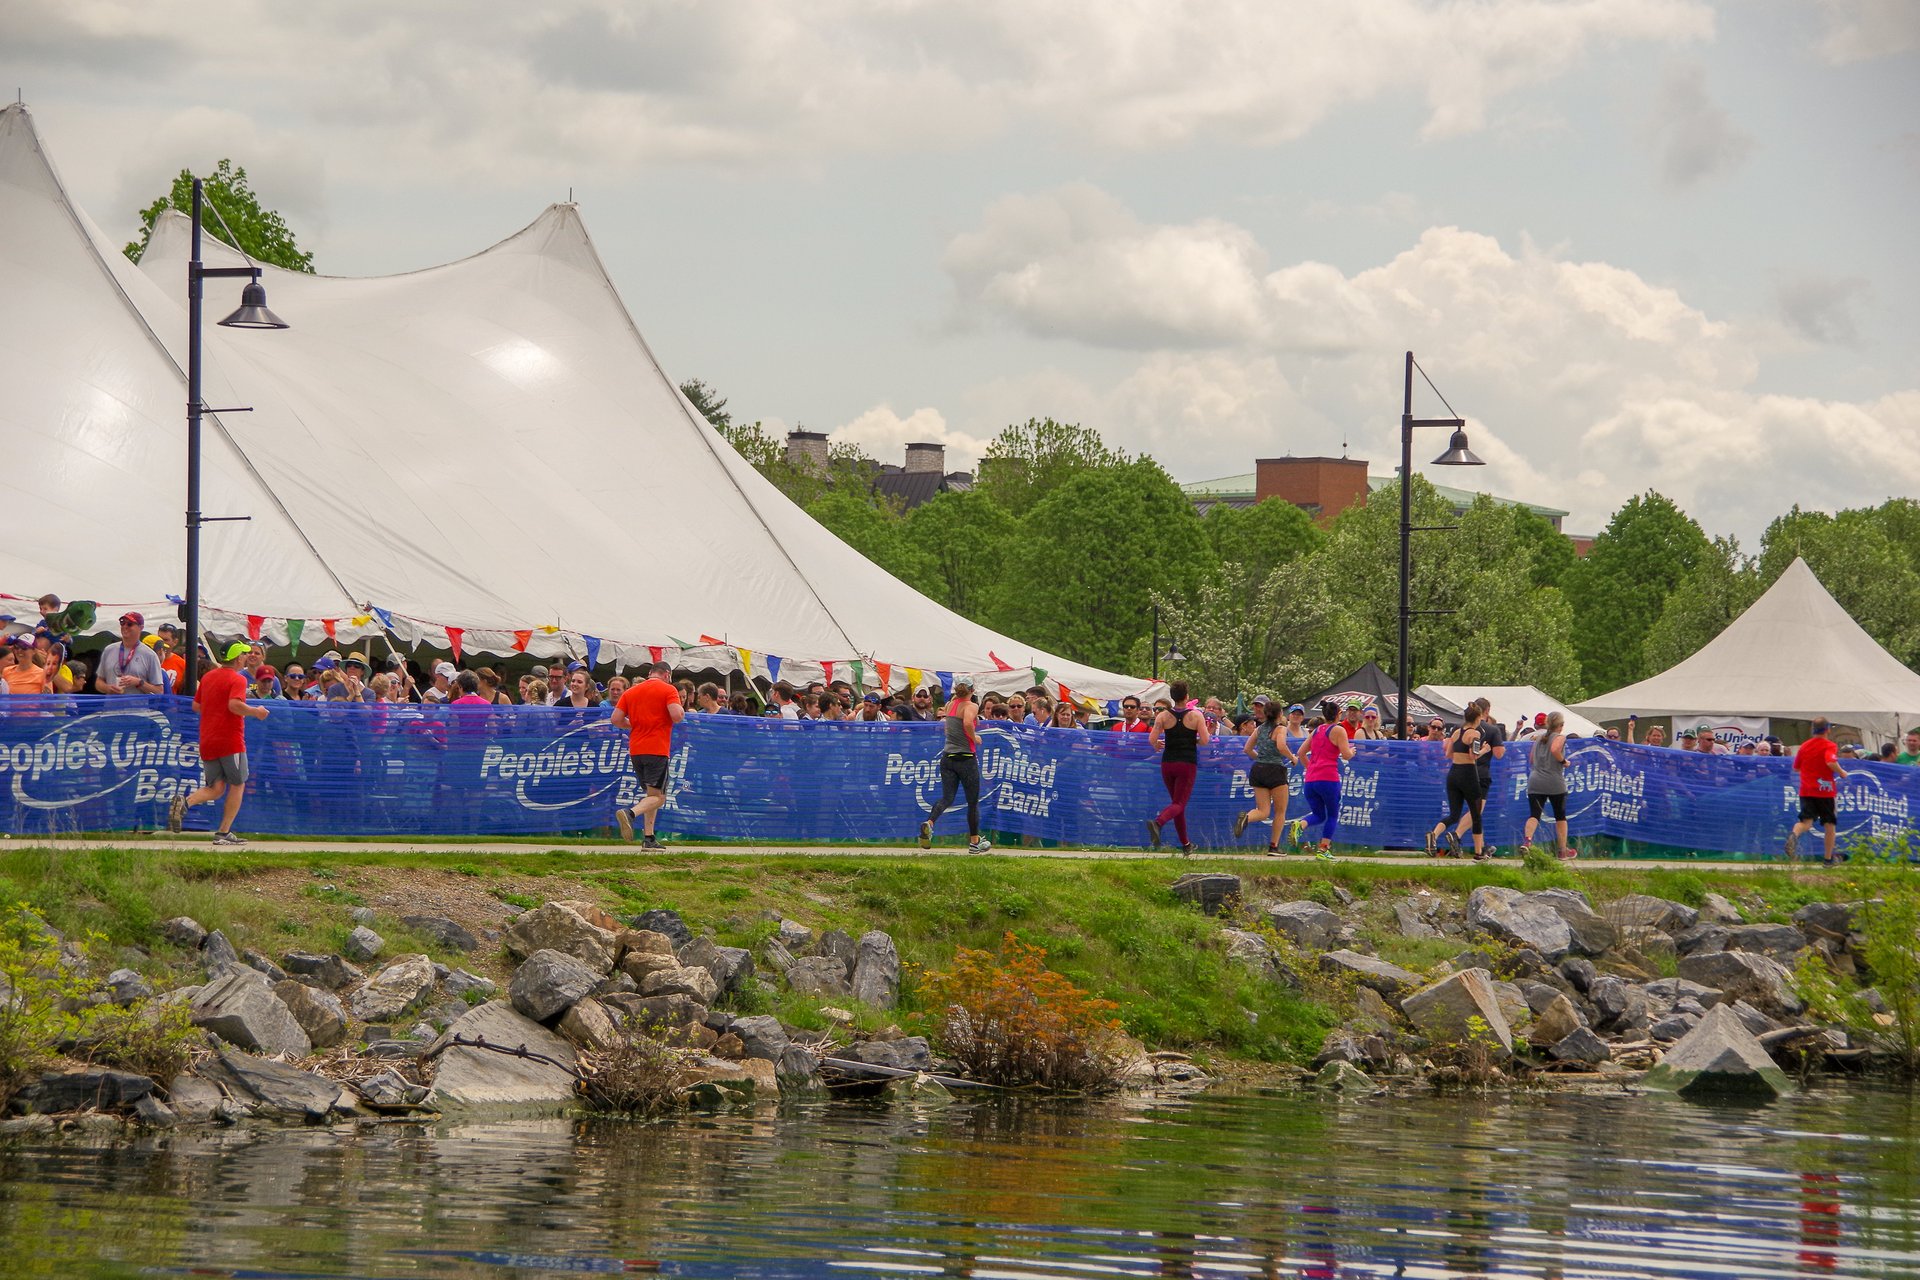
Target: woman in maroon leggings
{"x": 1178, "y": 735}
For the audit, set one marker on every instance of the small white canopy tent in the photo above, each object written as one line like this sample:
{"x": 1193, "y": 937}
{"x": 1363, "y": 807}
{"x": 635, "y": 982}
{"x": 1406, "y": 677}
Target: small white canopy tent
{"x": 1793, "y": 655}
{"x": 483, "y": 455}
{"x": 1510, "y": 701}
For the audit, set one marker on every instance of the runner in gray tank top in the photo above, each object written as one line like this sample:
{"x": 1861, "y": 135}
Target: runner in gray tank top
{"x": 959, "y": 767}
{"x": 1547, "y": 785}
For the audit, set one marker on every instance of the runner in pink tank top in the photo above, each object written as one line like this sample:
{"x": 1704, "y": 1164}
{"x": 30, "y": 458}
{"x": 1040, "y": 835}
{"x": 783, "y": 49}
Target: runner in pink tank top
{"x": 1325, "y": 749}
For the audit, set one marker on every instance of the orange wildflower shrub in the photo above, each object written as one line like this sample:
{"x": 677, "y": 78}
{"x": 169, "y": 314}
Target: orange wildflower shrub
{"x": 1010, "y": 1020}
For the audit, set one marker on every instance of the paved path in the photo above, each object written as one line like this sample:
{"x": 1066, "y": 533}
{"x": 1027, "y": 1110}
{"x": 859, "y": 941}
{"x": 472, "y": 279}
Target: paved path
{"x": 457, "y": 848}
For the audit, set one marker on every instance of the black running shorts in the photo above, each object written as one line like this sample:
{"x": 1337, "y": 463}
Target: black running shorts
{"x": 1818, "y": 809}
{"x": 1536, "y": 805}
{"x": 652, "y": 772}
{"x": 1269, "y": 777}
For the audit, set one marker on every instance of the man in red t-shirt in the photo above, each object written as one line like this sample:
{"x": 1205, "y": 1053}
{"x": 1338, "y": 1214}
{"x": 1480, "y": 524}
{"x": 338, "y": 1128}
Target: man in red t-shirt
{"x": 648, "y": 711}
{"x": 221, "y": 701}
{"x": 1818, "y": 763}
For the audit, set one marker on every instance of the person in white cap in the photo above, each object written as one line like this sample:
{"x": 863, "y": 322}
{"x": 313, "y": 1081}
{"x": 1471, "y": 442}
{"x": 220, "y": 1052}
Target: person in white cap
{"x": 442, "y": 688}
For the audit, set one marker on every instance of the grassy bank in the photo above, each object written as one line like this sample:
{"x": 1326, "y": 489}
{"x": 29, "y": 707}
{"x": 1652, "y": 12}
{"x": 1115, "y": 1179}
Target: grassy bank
{"x": 1112, "y": 926}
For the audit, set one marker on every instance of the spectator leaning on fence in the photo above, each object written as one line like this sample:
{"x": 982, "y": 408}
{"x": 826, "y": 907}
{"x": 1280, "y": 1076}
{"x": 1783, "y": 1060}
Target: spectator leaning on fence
{"x": 128, "y": 666}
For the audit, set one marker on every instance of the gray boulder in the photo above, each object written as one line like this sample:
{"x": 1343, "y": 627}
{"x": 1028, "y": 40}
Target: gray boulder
{"x": 1520, "y": 919}
{"x": 363, "y": 915}
{"x": 1387, "y": 979}
{"x": 445, "y": 933}
{"x": 1826, "y": 919}
{"x": 876, "y": 971}
{"x": 1407, "y": 918}
{"x": 656, "y": 1015}
{"x": 390, "y": 1091}
{"x": 1442, "y": 1011}
{"x": 1777, "y": 940}
{"x": 1344, "y": 1044}
{"x": 406, "y": 984}
{"x": 459, "y": 982}
{"x": 548, "y": 983}
{"x": 331, "y": 972}
{"x": 217, "y": 953}
{"x": 125, "y": 987}
{"x": 276, "y": 1089}
{"x": 688, "y": 980}
{"x": 1581, "y": 1046}
{"x": 473, "y": 1077}
{"x": 1211, "y": 891}
{"x": 1592, "y": 934}
{"x": 1645, "y": 911}
{"x": 555, "y": 926}
{"x": 1254, "y": 952}
{"x": 1701, "y": 939}
{"x": 1752, "y": 1019}
{"x": 798, "y": 1066}
{"x": 184, "y": 931}
{"x": 793, "y": 935}
{"x": 1343, "y": 1077}
{"x": 1760, "y": 980}
{"x": 1673, "y": 990}
{"x": 318, "y": 1012}
{"x": 1556, "y": 1022}
{"x": 762, "y": 1036}
{"x": 730, "y": 966}
{"x": 839, "y": 946}
{"x": 819, "y": 976}
{"x": 1305, "y": 924}
{"x": 192, "y": 1098}
{"x": 777, "y": 954}
{"x": 589, "y": 1024}
{"x": 240, "y": 1008}
{"x": 362, "y": 945}
{"x": 91, "y": 1087}
{"x": 665, "y": 922}
{"x": 1715, "y": 909}
{"x": 1579, "y": 972}
{"x": 910, "y": 1053}
{"x": 1672, "y": 1027}
{"x": 1718, "y": 1056}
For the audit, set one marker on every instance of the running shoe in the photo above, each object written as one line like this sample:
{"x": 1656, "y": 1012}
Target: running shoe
{"x": 1153, "y": 833}
{"x": 1240, "y": 825}
{"x": 1452, "y": 839}
{"x": 1274, "y": 851}
{"x": 980, "y": 845}
{"x": 227, "y": 840}
{"x": 1297, "y": 832}
{"x": 177, "y": 814}
{"x": 1569, "y": 853}
{"x": 1325, "y": 852}
{"x": 625, "y": 819}
{"x": 1433, "y": 850}
{"x": 1793, "y": 845}
{"x": 650, "y": 845}
{"x": 1186, "y": 850}
{"x": 926, "y": 834}
{"x": 1482, "y": 855}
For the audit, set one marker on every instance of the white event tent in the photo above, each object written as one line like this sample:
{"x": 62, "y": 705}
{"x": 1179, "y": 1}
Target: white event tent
{"x": 1509, "y": 702}
{"x": 1793, "y": 655}
{"x": 482, "y": 456}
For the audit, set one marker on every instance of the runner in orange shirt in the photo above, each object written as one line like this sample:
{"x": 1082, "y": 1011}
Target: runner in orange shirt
{"x": 648, "y": 711}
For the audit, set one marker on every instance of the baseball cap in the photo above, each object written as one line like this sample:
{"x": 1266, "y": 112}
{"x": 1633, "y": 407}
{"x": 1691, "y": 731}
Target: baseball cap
{"x": 1539, "y": 717}
{"x": 1293, "y": 707}
{"x": 149, "y": 641}
{"x": 1354, "y": 704}
{"x": 396, "y": 660}
{"x": 1261, "y": 699}
{"x": 1687, "y": 733}
{"x": 265, "y": 672}
{"x": 445, "y": 669}
{"x": 326, "y": 662}
{"x": 138, "y": 620}
{"x": 238, "y": 649}
{"x": 167, "y": 629}
{"x": 872, "y": 697}
{"x": 576, "y": 666}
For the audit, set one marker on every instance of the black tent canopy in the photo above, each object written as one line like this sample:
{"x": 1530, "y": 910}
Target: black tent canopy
{"x": 1375, "y": 688}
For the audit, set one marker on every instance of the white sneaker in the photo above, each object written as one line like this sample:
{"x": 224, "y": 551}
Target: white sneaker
{"x": 980, "y": 845}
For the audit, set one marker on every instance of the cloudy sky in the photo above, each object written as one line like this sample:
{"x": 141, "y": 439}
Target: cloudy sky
{"x": 1638, "y": 243}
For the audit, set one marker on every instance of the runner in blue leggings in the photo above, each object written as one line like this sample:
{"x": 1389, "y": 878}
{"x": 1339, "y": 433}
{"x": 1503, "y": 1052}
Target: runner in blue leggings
{"x": 1326, "y": 747}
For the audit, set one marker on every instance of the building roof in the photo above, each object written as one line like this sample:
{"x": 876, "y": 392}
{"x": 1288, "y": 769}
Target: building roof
{"x": 911, "y": 488}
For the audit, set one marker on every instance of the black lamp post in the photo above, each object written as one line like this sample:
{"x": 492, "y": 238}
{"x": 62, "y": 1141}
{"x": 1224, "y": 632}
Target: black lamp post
{"x": 1173, "y": 653}
{"x": 1457, "y": 455}
{"x": 252, "y": 314}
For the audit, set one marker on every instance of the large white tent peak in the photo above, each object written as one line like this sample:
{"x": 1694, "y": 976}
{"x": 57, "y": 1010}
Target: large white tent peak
{"x": 485, "y": 449}
{"x": 1794, "y": 654}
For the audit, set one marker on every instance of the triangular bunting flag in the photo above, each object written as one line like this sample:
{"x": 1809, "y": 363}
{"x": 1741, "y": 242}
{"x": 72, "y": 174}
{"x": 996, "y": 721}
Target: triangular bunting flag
{"x": 1066, "y": 694}
{"x": 915, "y": 678}
{"x": 859, "y": 676}
{"x": 826, "y": 671}
{"x": 593, "y": 650}
{"x": 746, "y": 662}
{"x": 386, "y": 617}
{"x": 453, "y": 639}
{"x": 711, "y": 640}
{"x": 656, "y": 650}
{"x": 294, "y": 627}
{"x": 254, "y": 625}
{"x": 520, "y": 641}
{"x": 329, "y": 624}
{"x": 362, "y": 619}
{"x": 678, "y": 643}
{"x": 883, "y": 672}
{"x": 549, "y": 629}
{"x": 1039, "y": 675}
{"x": 997, "y": 664}
{"x": 1113, "y": 707}
{"x": 773, "y": 666}
{"x": 946, "y": 683}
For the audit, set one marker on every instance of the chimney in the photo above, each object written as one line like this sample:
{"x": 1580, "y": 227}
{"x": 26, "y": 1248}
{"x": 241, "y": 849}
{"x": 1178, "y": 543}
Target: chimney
{"x": 926, "y": 457}
{"x": 1324, "y": 487}
{"x": 807, "y": 451}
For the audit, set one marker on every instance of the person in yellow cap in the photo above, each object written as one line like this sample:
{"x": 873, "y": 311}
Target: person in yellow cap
{"x": 222, "y": 703}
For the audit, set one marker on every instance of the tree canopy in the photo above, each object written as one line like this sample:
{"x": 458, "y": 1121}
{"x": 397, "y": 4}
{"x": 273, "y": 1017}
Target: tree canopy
{"x": 1621, "y": 588}
{"x": 258, "y": 232}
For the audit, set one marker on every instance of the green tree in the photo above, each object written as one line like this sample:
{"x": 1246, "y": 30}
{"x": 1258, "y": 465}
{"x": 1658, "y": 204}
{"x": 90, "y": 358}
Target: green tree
{"x": 876, "y": 532}
{"x": 1621, "y": 588}
{"x": 711, "y": 404}
{"x": 1552, "y": 550}
{"x": 1713, "y": 594}
{"x": 1865, "y": 558}
{"x": 1078, "y": 576}
{"x": 965, "y": 536}
{"x": 1260, "y": 538}
{"x": 262, "y": 234}
{"x": 1027, "y": 462}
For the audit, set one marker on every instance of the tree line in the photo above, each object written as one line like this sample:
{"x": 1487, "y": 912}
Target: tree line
{"x": 1069, "y": 544}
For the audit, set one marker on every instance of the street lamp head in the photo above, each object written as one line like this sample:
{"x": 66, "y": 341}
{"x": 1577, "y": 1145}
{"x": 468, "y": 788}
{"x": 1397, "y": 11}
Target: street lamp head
{"x": 1457, "y": 454}
{"x": 1173, "y": 653}
{"x": 253, "y": 313}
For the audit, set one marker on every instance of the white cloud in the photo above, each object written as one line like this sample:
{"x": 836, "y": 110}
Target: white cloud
{"x": 885, "y": 436}
{"x": 583, "y": 89}
{"x": 1862, "y": 29}
{"x": 1582, "y": 382}
{"x": 1694, "y": 135}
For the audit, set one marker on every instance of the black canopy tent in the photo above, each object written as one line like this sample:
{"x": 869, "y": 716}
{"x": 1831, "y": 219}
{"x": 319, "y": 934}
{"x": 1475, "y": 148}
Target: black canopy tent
{"x": 1375, "y": 688}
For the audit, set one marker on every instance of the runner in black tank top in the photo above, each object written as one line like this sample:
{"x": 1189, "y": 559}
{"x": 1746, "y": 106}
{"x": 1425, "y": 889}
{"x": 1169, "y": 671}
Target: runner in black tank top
{"x": 1463, "y": 786}
{"x": 1179, "y": 734}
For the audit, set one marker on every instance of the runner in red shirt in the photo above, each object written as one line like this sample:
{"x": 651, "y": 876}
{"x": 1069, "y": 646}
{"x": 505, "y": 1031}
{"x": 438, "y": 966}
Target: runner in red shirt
{"x": 1818, "y": 763}
{"x": 222, "y": 703}
{"x": 648, "y": 711}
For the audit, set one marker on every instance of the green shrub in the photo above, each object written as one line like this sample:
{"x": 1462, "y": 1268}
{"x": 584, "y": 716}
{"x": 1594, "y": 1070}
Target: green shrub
{"x": 1891, "y": 924}
{"x": 154, "y": 1040}
{"x": 39, "y": 992}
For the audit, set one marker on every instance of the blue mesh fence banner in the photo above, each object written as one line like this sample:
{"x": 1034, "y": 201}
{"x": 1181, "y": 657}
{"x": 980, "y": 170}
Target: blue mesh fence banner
{"x": 100, "y": 764}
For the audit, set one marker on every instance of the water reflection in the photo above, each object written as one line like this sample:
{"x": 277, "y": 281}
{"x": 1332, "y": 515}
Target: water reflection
{"x": 1217, "y": 1186}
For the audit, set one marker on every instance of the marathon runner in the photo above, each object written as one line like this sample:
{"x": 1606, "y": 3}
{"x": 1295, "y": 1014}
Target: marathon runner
{"x": 648, "y": 710}
{"x": 959, "y": 767}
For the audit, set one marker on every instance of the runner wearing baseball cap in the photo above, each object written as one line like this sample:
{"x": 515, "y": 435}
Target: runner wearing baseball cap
{"x": 222, "y": 703}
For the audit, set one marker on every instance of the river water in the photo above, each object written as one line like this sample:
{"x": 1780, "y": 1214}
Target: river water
{"x": 1221, "y": 1184}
